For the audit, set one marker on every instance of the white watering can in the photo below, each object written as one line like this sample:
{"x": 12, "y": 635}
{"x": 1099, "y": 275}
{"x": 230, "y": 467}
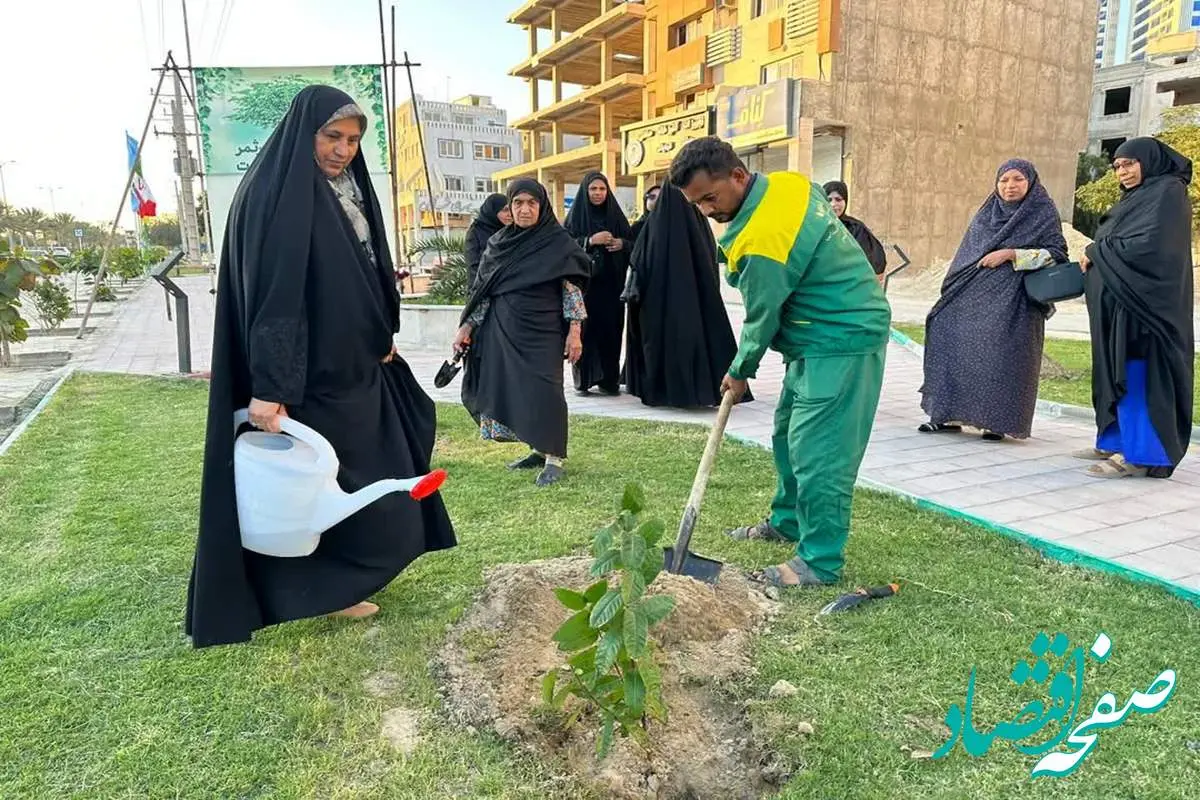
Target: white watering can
{"x": 287, "y": 489}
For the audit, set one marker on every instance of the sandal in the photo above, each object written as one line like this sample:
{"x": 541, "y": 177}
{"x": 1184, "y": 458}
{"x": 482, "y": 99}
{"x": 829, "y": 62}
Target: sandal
{"x": 760, "y": 532}
{"x": 773, "y": 576}
{"x": 1116, "y": 467}
{"x": 1092, "y": 454}
{"x": 938, "y": 427}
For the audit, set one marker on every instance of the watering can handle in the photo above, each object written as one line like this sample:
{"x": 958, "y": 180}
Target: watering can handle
{"x": 326, "y": 456}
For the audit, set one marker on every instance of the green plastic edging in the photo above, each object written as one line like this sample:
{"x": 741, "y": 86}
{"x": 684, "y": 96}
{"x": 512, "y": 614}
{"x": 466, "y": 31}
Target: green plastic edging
{"x": 1050, "y": 549}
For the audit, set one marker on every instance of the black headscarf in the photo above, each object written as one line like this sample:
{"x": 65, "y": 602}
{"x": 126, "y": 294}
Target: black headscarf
{"x": 1139, "y": 294}
{"x": 284, "y": 192}
{"x": 483, "y": 227}
{"x": 585, "y": 219}
{"x": 859, "y": 230}
{"x": 517, "y": 258}
{"x": 680, "y": 342}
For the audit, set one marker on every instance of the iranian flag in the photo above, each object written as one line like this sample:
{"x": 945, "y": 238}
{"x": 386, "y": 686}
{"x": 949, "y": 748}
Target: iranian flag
{"x": 140, "y": 198}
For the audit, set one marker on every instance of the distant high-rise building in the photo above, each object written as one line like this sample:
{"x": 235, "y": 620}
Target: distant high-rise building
{"x": 1126, "y": 28}
{"x": 1107, "y": 26}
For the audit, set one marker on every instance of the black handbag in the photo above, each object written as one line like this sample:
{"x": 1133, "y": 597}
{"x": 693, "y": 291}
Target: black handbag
{"x": 1054, "y": 283}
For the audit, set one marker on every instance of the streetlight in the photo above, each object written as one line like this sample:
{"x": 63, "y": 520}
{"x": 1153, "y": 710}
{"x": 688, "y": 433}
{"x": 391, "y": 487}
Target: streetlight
{"x": 4, "y": 195}
{"x": 51, "y": 189}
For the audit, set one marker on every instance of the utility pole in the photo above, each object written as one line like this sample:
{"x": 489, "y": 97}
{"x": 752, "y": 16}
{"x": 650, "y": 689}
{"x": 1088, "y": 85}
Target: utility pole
{"x": 4, "y": 195}
{"x": 186, "y": 170}
{"x": 50, "y": 189}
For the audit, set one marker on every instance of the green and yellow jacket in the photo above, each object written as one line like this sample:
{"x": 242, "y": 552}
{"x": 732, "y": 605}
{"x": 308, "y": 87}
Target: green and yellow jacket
{"x": 807, "y": 286}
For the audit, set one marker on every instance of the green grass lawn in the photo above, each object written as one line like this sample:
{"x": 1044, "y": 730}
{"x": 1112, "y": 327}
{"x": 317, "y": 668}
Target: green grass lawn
{"x": 1074, "y": 355}
{"x": 102, "y": 696}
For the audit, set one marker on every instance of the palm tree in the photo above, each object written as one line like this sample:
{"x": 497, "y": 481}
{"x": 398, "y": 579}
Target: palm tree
{"x": 449, "y": 283}
{"x": 63, "y": 226}
{"x": 6, "y": 218}
{"x": 29, "y": 221}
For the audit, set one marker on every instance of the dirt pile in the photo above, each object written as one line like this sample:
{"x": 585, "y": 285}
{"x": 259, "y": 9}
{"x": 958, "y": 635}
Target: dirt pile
{"x": 493, "y": 662}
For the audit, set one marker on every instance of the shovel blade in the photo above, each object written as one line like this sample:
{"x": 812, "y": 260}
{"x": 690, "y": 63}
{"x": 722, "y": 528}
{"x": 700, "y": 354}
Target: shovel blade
{"x": 694, "y": 566}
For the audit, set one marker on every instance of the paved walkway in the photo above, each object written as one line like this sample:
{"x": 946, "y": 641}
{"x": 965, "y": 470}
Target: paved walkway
{"x": 1032, "y": 488}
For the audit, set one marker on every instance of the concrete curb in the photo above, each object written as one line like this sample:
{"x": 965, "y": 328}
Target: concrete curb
{"x": 25, "y": 423}
{"x": 1047, "y": 409}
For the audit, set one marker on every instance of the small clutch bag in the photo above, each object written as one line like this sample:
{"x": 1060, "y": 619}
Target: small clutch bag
{"x": 1054, "y": 283}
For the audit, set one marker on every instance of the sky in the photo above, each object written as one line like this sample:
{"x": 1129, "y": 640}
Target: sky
{"x": 76, "y": 74}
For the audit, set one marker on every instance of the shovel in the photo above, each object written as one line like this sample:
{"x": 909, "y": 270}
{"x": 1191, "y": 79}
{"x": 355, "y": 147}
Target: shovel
{"x": 678, "y": 560}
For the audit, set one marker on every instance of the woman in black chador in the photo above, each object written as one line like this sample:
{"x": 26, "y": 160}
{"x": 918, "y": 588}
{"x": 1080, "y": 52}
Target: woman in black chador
{"x": 679, "y": 343}
{"x": 306, "y": 310}
{"x": 597, "y": 223}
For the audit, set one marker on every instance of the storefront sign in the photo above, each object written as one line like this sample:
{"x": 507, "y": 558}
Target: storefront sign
{"x": 649, "y": 146}
{"x": 688, "y": 78}
{"x": 756, "y": 115}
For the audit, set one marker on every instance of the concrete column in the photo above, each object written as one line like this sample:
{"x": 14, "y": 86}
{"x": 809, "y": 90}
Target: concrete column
{"x": 606, "y": 52}
{"x": 556, "y": 136}
{"x": 559, "y": 195}
{"x": 800, "y": 147}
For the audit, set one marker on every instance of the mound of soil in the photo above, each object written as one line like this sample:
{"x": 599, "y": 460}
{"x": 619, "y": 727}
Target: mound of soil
{"x": 493, "y": 662}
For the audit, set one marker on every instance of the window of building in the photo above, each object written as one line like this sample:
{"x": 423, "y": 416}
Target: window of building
{"x": 1116, "y": 101}
{"x": 777, "y": 70}
{"x": 454, "y": 183}
{"x": 485, "y": 185}
{"x": 1108, "y": 147}
{"x": 760, "y": 7}
{"x": 492, "y": 152}
{"x": 462, "y": 119}
{"x": 683, "y": 33}
{"x": 1140, "y": 33}
{"x": 450, "y": 148}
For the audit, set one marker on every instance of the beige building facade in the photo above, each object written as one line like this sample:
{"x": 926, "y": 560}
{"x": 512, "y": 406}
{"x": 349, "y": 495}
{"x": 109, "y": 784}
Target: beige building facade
{"x": 933, "y": 96}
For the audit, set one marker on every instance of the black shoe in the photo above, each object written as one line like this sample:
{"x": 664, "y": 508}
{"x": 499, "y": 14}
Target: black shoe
{"x": 551, "y": 475}
{"x": 583, "y": 392}
{"x": 613, "y": 392}
{"x": 992, "y": 436}
{"x": 531, "y": 461}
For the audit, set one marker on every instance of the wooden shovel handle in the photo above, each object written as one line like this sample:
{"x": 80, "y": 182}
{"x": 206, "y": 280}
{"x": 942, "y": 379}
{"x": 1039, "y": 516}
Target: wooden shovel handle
{"x": 691, "y": 512}
{"x": 710, "y": 452}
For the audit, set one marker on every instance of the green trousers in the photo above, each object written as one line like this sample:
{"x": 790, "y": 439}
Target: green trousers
{"x": 822, "y": 426}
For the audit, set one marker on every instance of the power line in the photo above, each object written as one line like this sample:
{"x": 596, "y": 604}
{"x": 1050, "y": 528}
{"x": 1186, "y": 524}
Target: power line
{"x": 222, "y": 29}
{"x": 204, "y": 21}
{"x": 145, "y": 34}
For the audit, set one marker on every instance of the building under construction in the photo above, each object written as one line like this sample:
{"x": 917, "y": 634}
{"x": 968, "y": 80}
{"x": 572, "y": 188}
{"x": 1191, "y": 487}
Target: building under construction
{"x": 595, "y": 47}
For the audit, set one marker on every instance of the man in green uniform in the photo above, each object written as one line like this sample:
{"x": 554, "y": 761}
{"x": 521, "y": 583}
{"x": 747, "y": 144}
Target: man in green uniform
{"x": 811, "y": 295}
